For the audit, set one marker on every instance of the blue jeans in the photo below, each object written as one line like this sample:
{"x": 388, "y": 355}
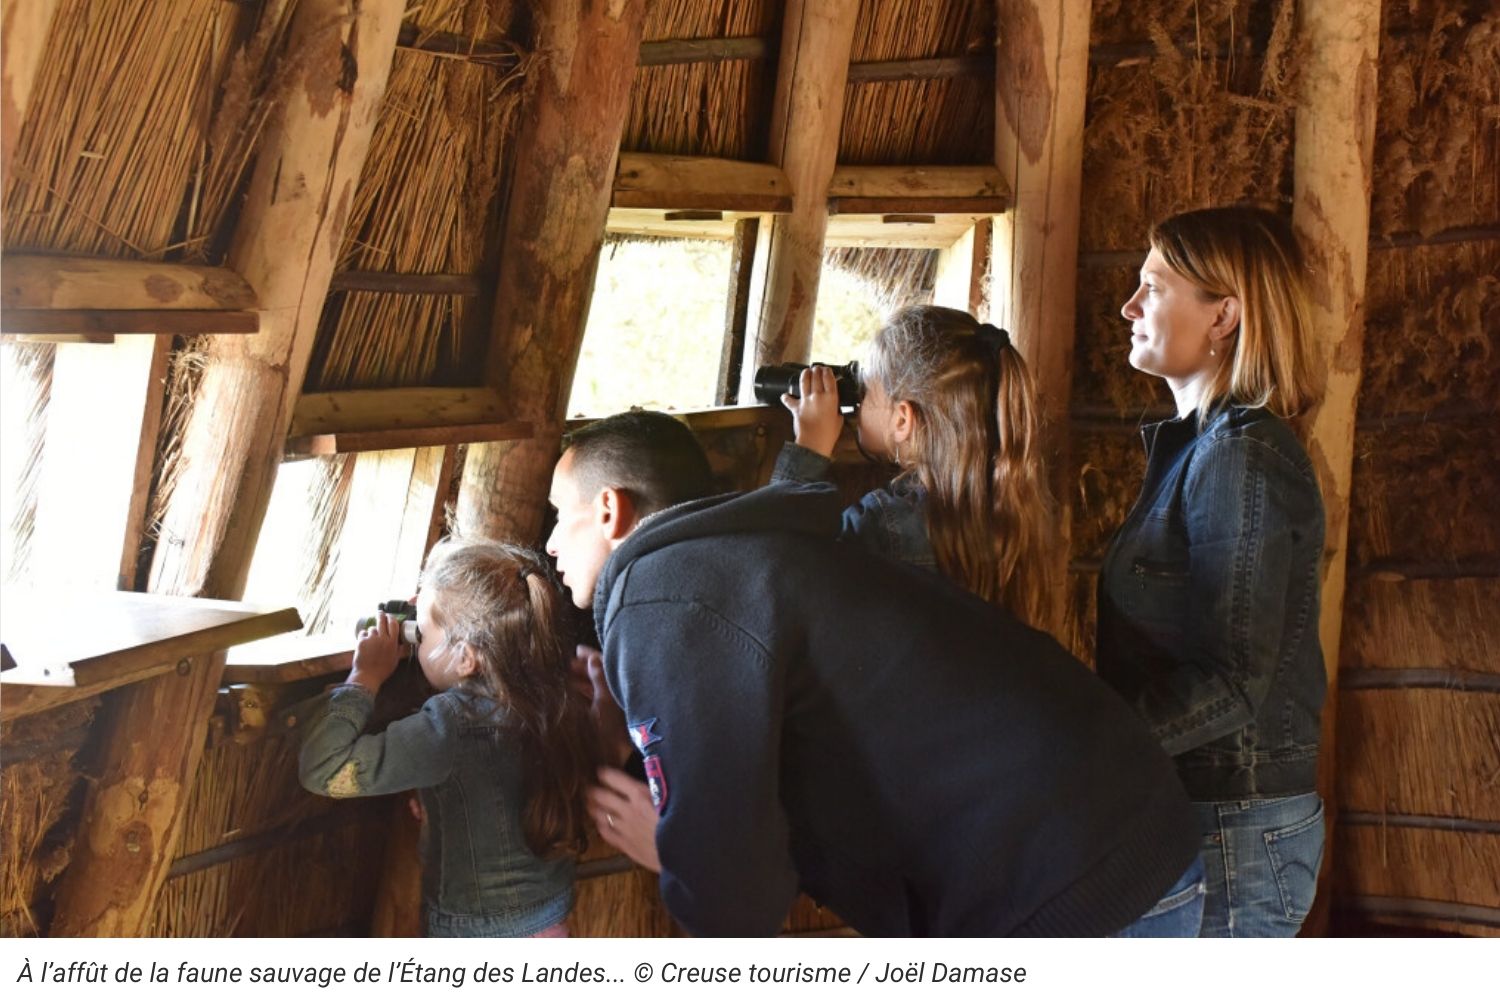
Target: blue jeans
{"x": 1178, "y": 913}
{"x": 1262, "y": 858}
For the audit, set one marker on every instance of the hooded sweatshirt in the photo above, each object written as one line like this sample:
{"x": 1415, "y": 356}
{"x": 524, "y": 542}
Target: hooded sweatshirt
{"x": 812, "y": 715}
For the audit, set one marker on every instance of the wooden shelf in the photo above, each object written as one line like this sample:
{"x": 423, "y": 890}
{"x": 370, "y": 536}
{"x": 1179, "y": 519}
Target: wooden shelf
{"x": 285, "y": 658}
{"x": 71, "y": 647}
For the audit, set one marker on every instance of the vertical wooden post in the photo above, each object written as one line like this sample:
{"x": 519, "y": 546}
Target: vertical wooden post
{"x": 808, "y": 114}
{"x": 286, "y": 244}
{"x": 1331, "y": 210}
{"x": 24, "y": 25}
{"x": 737, "y": 311}
{"x": 1041, "y": 67}
{"x": 554, "y": 227}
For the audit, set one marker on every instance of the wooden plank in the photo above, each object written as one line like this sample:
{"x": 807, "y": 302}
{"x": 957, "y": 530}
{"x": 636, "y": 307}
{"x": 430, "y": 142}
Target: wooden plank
{"x": 737, "y": 310}
{"x": 504, "y": 55}
{"x": 387, "y": 409}
{"x": 1041, "y": 76}
{"x": 348, "y": 442}
{"x": 425, "y": 496}
{"x": 284, "y": 658}
{"x": 1332, "y": 179}
{"x": 286, "y": 244}
{"x": 816, "y": 39}
{"x": 914, "y": 206}
{"x": 570, "y": 129}
{"x": 176, "y": 321}
{"x": 42, "y": 281}
{"x": 24, "y": 26}
{"x": 699, "y": 50}
{"x": 955, "y": 273}
{"x": 102, "y": 420}
{"x": 916, "y": 182}
{"x": 406, "y": 284}
{"x": 650, "y": 180}
{"x": 941, "y": 68}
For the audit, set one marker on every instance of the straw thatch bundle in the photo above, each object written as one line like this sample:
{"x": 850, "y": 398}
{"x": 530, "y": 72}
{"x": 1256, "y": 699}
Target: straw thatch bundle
{"x": 141, "y": 125}
{"x": 427, "y": 203}
{"x": 1437, "y": 160}
{"x": 898, "y": 276}
{"x": 1102, "y": 377}
{"x": 25, "y": 387}
{"x": 1181, "y": 130}
{"x": 39, "y": 789}
{"x": 1208, "y": 22}
{"x": 1109, "y": 467}
{"x": 1421, "y": 624}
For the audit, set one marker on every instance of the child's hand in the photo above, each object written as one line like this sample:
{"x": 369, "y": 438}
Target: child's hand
{"x": 816, "y": 420}
{"x": 377, "y": 653}
{"x": 626, "y": 818}
{"x": 587, "y": 669}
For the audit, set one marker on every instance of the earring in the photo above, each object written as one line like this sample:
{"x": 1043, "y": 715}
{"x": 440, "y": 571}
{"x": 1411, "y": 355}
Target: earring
{"x": 1211, "y": 352}
{"x": 896, "y": 453}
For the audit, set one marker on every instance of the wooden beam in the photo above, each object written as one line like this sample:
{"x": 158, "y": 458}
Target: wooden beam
{"x": 286, "y": 244}
{"x": 956, "y": 267}
{"x": 389, "y": 409}
{"x": 737, "y": 310}
{"x": 917, "y": 206}
{"x": 505, "y": 55}
{"x": 554, "y": 227}
{"x": 406, "y": 284}
{"x": 1041, "y": 77}
{"x": 24, "y": 26}
{"x": 40, "y": 281}
{"x": 149, "y": 321}
{"x": 915, "y": 182}
{"x": 1332, "y": 178}
{"x": 808, "y": 113}
{"x": 650, "y": 180}
{"x": 348, "y": 442}
{"x": 700, "y": 50}
{"x": 942, "y": 68}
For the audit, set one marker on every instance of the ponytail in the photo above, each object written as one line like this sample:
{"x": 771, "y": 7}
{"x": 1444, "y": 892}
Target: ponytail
{"x": 975, "y": 450}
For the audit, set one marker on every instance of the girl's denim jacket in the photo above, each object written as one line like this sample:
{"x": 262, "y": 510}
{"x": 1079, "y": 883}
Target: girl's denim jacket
{"x": 888, "y": 521}
{"x": 479, "y": 879}
{"x": 1208, "y": 604}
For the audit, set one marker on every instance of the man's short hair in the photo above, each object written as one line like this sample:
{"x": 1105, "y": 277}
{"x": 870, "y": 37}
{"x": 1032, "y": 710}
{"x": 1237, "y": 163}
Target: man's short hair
{"x": 652, "y": 457}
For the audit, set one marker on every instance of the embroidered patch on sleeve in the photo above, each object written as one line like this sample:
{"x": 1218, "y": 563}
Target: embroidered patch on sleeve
{"x": 642, "y": 736}
{"x": 656, "y": 780}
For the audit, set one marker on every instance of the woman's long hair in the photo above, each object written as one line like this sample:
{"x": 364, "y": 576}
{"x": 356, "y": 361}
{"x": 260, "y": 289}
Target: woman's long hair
{"x": 1253, "y": 255}
{"x": 503, "y": 603}
{"x": 975, "y": 450}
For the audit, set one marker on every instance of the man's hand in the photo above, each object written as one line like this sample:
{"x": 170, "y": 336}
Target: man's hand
{"x": 626, "y": 818}
{"x": 587, "y": 669}
{"x": 816, "y": 420}
{"x": 377, "y": 653}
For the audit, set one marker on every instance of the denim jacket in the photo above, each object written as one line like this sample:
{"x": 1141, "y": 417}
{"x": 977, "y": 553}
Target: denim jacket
{"x": 889, "y": 521}
{"x": 478, "y": 876}
{"x": 1208, "y": 604}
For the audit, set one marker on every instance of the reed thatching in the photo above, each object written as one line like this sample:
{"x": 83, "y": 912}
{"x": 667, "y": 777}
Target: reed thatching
{"x": 1420, "y": 864}
{"x": 427, "y": 203}
{"x": 40, "y": 795}
{"x": 141, "y": 126}
{"x": 1430, "y": 336}
{"x": 1437, "y": 142}
{"x": 1183, "y": 129}
{"x": 1421, "y": 623}
{"x": 25, "y": 387}
{"x": 900, "y": 276}
{"x": 1109, "y": 466}
{"x": 1103, "y": 381}
{"x": 1217, "y": 22}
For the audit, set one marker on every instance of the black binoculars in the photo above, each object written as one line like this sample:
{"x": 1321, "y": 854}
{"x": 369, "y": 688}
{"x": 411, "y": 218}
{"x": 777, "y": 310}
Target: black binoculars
{"x": 771, "y": 381}
{"x": 404, "y": 612}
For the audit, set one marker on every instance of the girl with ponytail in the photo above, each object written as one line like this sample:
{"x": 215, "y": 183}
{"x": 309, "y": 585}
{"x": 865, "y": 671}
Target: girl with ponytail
{"x": 949, "y": 401}
{"x": 501, "y": 756}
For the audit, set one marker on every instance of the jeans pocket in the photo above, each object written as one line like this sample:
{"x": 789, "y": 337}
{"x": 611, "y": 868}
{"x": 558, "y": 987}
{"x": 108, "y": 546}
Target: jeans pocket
{"x": 1296, "y": 853}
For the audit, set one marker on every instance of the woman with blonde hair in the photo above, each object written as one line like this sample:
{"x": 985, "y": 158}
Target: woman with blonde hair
{"x": 949, "y": 401}
{"x": 1208, "y": 595}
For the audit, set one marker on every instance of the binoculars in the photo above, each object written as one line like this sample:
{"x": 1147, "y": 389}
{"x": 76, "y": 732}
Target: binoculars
{"x": 404, "y": 612}
{"x": 771, "y": 381}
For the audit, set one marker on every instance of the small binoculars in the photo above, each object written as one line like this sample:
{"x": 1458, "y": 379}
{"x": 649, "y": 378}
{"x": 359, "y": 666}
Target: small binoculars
{"x": 404, "y": 612}
{"x": 771, "y": 381}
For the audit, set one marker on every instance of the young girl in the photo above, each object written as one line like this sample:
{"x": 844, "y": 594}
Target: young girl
{"x": 500, "y": 756}
{"x": 1208, "y": 595}
{"x": 950, "y": 402}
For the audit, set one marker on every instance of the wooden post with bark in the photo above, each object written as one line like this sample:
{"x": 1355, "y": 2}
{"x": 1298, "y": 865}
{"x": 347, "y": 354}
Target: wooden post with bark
{"x": 286, "y": 244}
{"x": 808, "y": 114}
{"x": 1041, "y": 79}
{"x": 554, "y": 227}
{"x": 1331, "y": 210}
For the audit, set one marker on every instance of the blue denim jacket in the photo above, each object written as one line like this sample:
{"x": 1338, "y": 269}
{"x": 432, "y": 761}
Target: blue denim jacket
{"x": 479, "y": 879}
{"x": 889, "y": 521}
{"x": 1208, "y": 604}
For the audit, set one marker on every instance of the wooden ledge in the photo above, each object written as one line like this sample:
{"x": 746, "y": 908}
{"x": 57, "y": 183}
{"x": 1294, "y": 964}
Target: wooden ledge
{"x": 388, "y": 409}
{"x": 349, "y": 442}
{"x": 282, "y": 659}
